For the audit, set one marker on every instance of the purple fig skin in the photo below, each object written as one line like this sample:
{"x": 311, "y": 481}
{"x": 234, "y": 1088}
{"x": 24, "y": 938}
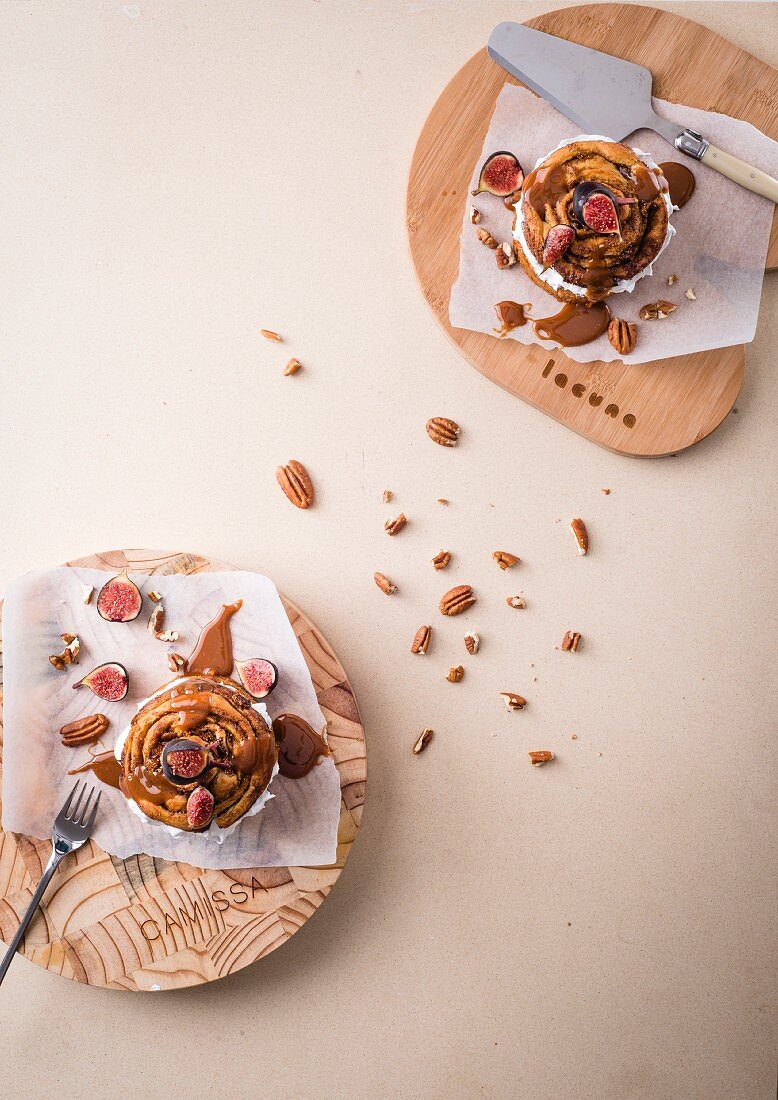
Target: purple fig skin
{"x": 506, "y": 174}
{"x": 119, "y": 600}
{"x": 245, "y": 676}
{"x": 100, "y": 677}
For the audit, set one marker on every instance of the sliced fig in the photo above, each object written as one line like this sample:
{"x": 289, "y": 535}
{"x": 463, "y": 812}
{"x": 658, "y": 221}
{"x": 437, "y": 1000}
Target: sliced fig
{"x": 109, "y": 681}
{"x": 120, "y": 599}
{"x": 501, "y": 174}
{"x": 558, "y": 240}
{"x": 184, "y": 760}
{"x": 258, "y": 676}
{"x": 199, "y": 808}
{"x": 594, "y": 205}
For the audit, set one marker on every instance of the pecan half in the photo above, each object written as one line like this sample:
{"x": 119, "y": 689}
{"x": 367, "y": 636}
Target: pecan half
{"x": 504, "y": 559}
{"x": 655, "y": 310}
{"x": 441, "y": 559}
{"x": 485, "y": 237}
{"x": 571, "y": 641}
{"x": 296, "y": 483}
{"x": 472, "y": 642}
{"x": 541, "y": 756}
{"x": 421, "y": 639}
{"x": 474, "y": 215}
{"x": 84, "y": 730}
{"x": 516, "y": 601}
{"x": 623, "y": 336}
{"x": 292, "y": 367}
{"x": 581, "y": 535}
{"x": 454, "y": 675}
{"x": 176, "y": 663}
{"x": 392, "y": 526}
{"x": 443, "y": 431}
{"x": 505, "y": 255}
{"x": 513, "y": 701}
{"x": 422, "y": 742}
{"x": 385, "y": 584}
{"x": 457, "y": 600}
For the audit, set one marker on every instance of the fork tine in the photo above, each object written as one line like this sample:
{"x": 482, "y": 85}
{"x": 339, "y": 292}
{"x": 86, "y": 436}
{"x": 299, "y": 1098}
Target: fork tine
{"x": 66, "y": 807}
{"x": 93, "y": 814}
{"x": 82, "y": 816}
{"x": 74, "y": 813}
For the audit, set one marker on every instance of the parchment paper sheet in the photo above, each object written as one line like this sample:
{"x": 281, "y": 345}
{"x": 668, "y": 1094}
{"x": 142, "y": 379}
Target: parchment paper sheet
{"x": 719, "y": 249}
{"x": 296, "y": 827}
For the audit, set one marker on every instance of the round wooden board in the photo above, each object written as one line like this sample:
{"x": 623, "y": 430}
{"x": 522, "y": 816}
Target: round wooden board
{"x": 144, "y": 923}
{"x": 660, "y": 407}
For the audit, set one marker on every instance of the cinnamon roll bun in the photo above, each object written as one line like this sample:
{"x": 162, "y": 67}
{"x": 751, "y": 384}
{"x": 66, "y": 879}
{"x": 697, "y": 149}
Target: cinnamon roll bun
{"x": 592, "y": 218}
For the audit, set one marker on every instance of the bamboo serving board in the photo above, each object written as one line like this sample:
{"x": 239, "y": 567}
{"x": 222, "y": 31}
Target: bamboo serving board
{"x": 143, "y": 923}
{"x": 655, "y": 408}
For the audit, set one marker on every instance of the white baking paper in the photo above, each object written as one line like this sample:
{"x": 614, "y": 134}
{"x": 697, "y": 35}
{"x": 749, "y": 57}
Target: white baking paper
{"x": 298, "y": 826}
{"x": 719, "y": 250}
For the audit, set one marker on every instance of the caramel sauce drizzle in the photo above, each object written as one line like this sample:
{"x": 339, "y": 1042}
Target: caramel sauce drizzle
{"x": 680, "y": 182}
{"x": 299, "y": 746}
{"x": 193, "y": 708}
{"x": 576, "y": 323}
{"x": 142, "y": 783}
{"x": 213, "y": 650}
{"x": 511, "y": 315}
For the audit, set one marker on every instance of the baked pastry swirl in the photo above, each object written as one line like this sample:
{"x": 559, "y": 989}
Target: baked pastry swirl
{"x": 608, "y": 243}
{"x": 196, "y": 752}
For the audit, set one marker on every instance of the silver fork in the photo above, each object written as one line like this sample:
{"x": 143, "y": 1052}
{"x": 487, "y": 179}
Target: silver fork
{"x": 72, "y": 827}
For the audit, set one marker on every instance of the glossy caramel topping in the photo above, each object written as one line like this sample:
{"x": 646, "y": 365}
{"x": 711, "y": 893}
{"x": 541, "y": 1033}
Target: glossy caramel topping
{"x": 193, "y": 708}
{"x": 299, "y": 746}
{"x": 646, "y": 183}
{"x": 545, "y": 186}
{"x": 576, "y": 323}
{"x": 213, "y": 650}
{"x": 105, "y": 766}
{"x": 511, "y": 315}
{"x": 680, "y": 181}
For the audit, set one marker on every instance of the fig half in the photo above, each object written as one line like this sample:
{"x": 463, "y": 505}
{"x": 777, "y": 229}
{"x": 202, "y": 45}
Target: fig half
{"x": 258, "y": 676}
{"x": 184, "y": 760}
{"x": 199, "y": 808}
{"x": 119, "y": 600}
{"x": 501, "y": 174}
{"x": 558, "y": 240}
{"x": 594, "y": 205}
{"x": 109, "y": 681}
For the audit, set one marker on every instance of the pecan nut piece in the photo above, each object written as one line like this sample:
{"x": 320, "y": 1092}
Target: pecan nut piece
{"x": 443, "y": 431}
{"x": 385, "y": 584}
{"x": 175, "y": 662}
{"x": 292, "y": 367}
{"x": 421, "y": 639}
{"x": 578, "y": 527}
{"x": 655, "y": 310}
{"x": 441, "y": 559}
{"x": 504, "y": 559}
{"x": 84, "y": 731}
{"x": 296, "y": 483}
{"x": 457, "y": 600}
{"x": 392, "y": 526}
{"x": 485, "y": 237}
{"x": 505, "y": 255}
{"x": 423, "y": 740}
{"x": 513, "y": 701}
{"x": 540, "y": 756}
{"x": 454, "y": 675}
{"x": 571, "y": 641}
{"x": 623, "y": 336}
{"x": 516, "y": 601}
{"x": 472, "y": 642}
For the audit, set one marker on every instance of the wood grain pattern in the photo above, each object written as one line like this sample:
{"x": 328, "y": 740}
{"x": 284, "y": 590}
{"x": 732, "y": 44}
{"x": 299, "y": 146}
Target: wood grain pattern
{"x": 143, "y": 923}
{"x": 655, "y": 408}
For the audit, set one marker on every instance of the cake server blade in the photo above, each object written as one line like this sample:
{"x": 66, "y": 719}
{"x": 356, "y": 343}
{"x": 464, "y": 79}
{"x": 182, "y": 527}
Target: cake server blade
{"x": 608, "y": 96}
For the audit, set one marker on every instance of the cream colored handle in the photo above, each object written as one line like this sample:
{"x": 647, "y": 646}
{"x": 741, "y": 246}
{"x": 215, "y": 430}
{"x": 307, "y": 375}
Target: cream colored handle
{"x": 741, "y": 172}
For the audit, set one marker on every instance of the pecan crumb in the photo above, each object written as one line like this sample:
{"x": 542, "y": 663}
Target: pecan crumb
{"x": 513, "y": 701}
{"x": 423, "y": 740}
{"x": 581, "y": 535}
{"x": 505, "y": 255}
{"x": 270, "y": 335}
{"x": 155, "y": 597}
{"x": 86, "y": 593}
{"x": 605, "y": 492}
{"x": 421, "y": 639}
{"x": 384, "y": 584}
{"x": 442, "y": 500}
{"x": 454, "y": 675}
{"x": 485, "y": 237}
{"x": 387, "y": 495}
{"x": 474, "y": 215}
{"x": 690, "y": 295}
{"x": 392, "y": 526}
{"x": 441, "y": 559}
{"x": 292, "y": 367}
{"x": 176, "y": 662}
{"x": 504, "y": 559}
{"x": 655, "y": 310}
{"x": 672, "y": 279}
{"x": 472, "y": 642}
{"x": 571, "y": 641}
{"x": 516, "y": 601}
{"x": 69, "y": 654}
{"x": 540, "y": 756}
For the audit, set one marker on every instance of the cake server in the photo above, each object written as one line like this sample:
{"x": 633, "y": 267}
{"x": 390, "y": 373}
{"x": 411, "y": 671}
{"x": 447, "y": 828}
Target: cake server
{"x": 605, "y": 95}
{"x": 72, "y": 827}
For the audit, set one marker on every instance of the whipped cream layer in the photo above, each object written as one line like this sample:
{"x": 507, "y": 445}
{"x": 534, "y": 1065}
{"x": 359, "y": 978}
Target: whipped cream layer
{"x": 550, "y": 276}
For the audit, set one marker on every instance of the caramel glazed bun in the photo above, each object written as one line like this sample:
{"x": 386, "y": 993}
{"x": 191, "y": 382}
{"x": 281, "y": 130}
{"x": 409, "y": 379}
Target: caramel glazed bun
{"x": 595, "y": 263}
{"x": 240, "y": 750}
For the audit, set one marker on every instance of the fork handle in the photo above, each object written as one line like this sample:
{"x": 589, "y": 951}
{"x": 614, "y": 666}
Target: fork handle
{"x": 40, "y": 890}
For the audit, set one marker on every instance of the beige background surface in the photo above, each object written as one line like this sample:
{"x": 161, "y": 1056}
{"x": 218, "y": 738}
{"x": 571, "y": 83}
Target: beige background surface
{"x": 177, "y": 175}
